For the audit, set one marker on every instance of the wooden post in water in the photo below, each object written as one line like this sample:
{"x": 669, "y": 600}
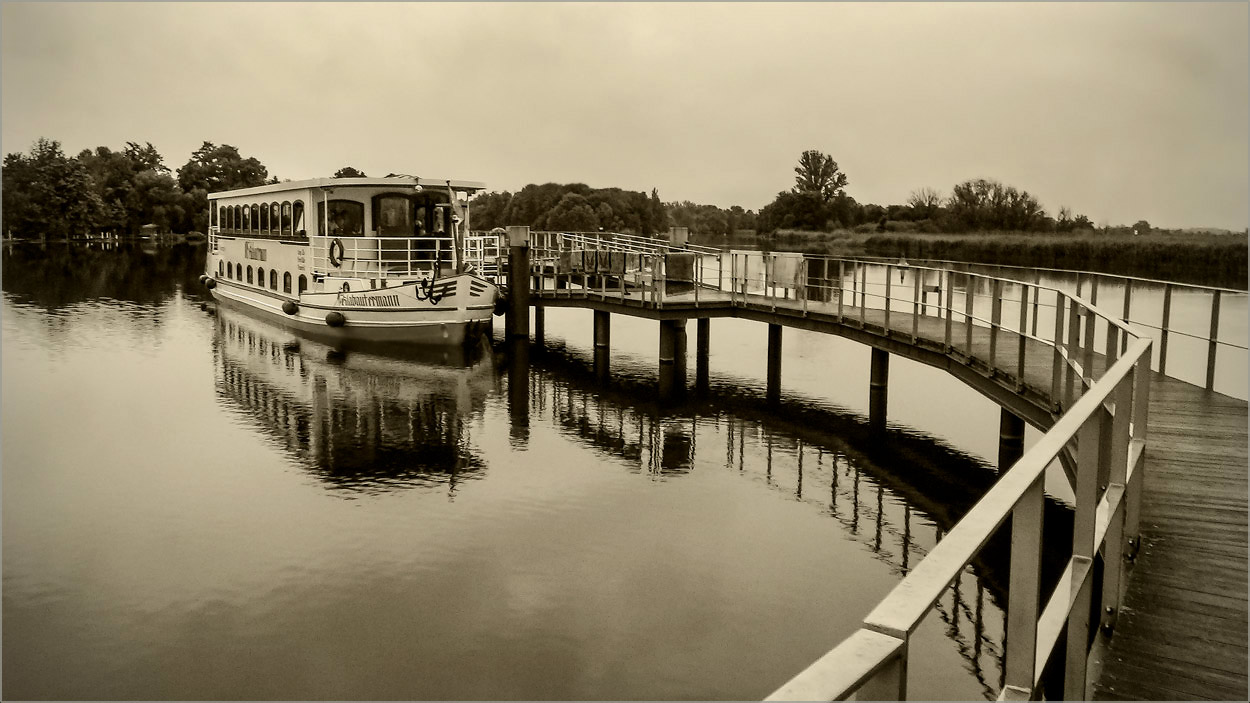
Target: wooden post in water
{"x": 672, "y": 359}
{"x": 603, "y": 345}
{"x": 517, "y": 323}
{"x": 540, "y": 326}
{"x": 703, "y": 331}
{"x": 774, "y": 363}
{"x": 519, "y": 390}
{"x": 878, "y": 388}
{"x": 1010, "y": 439}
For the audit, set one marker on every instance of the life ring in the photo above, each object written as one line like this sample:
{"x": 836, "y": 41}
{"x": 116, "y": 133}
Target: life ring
{"x": 336, "y": 260}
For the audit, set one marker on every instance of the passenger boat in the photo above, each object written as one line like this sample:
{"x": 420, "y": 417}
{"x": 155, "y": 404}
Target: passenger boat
{"x": 377, "y": 259}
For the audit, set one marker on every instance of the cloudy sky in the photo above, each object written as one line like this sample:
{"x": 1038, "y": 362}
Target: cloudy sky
{"x": 1121, "y": 111}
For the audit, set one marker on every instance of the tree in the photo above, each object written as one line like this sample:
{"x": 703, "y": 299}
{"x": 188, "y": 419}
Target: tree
{"x": 572, "y": 214}
{"x": 213, "y": 169}
{"x": 1141, "y": 227}
{"x": 48, "y": 194}
{"x": 349, "y": 172}
{"x": 925, "y": 202}
{"x": 818, "y": 173}
{"x": 794, "y": 210}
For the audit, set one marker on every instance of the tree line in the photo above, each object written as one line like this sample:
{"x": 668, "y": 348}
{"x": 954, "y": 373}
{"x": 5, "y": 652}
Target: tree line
{"x": 101, "y": 191}
{"x": 818, "y": 202}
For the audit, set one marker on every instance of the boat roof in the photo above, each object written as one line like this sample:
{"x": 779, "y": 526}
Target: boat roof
{"x": 402, "y": 181}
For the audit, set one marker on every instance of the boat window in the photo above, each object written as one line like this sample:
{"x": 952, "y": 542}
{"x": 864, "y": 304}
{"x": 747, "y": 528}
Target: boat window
{"x": 247, "y": 219}
{"x": 273, "y": 279}
{"x": 237, "y": 223}
{"x": 264, "y": 219}
{"x": 300, "y": 229}
{"x": 346, "y": 218}
{"x": 392, "y": 215}
{"x": 303, "y": 283}
{"x": 221, "y": 268}
{"x": 229, "y": 270}
{"x": 260, "y": 276}
{"x": 212, "y": 215}
{"x": 286, "y": 282}
{"x": 275, "y": 219}
{"x": 255, "y": 218}
{"x": 286, "y": 219}
{"x": 249, "y": 274}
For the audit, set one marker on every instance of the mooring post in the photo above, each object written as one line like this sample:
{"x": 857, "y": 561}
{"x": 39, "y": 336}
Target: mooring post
{"x": 1010, "y": 439}
{"x": 774, "y": 363}
{"x": 603, "y": 345}
{"x": 672, "y": 358}
{"x": 878, "y": 388}
{"x": 703, "y": 331}
{"x": 518, "y": 319}
{"x": 519, "y": 390}
{"x": 539, "y": 326}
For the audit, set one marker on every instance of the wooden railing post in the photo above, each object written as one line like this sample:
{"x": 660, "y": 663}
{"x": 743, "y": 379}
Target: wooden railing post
{"x": 1071, "y": 346}
{"x": 1163, "y": 331}
{"x": 968, "y": 307}
{"x": 1113, "y": 542}
{"x": 949, "y": 278}
{"x": 1213, "y": 343}
{"x": 887, "y": 299}
{"x": 996, "y": 318}
{"x": 1024, "y": 593}
{"x": 1089, "y": 450}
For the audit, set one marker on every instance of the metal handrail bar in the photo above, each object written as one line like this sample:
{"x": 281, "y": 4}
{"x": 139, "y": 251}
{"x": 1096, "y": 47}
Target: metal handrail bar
{"x": 884, "y": 259}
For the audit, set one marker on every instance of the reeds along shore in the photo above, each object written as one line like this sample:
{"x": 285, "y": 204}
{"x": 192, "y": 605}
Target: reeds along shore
{"x": 1204, "y": 259}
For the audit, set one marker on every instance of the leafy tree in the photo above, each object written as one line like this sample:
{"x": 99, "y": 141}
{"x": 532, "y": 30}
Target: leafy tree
{"x": 986, "y": 204}
{"x": 48, "y": 194}
{"x": 213, "y": 169}
{"x": 572, "y": 214}
{"x": 818, "y": 173}
{"x": 1141, "y": 227}
{"x": 795, "y": 210}
{"x": 349, "y": 172}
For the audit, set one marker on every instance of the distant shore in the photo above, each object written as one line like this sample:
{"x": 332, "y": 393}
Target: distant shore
{"x": 1204, "y": 259}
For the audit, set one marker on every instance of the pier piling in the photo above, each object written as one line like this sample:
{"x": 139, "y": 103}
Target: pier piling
{"x": 603, "y": 345}
{"x": 672, "y": 359}
{"x": 518, "y": 318}
{"x": 1010, "y": 439}
{"x": 774, "y": 363}
{"x": 703, "y": 330}
{"x": 878, "y": 388}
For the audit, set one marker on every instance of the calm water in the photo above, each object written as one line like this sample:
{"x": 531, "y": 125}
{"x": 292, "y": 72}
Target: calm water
{"x": 205, "y": 506}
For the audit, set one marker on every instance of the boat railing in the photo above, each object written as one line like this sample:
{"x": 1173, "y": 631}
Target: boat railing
{"x": 382, "y": 257}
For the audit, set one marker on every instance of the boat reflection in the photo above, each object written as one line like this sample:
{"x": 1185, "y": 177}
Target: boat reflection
{"x": 362, "y": 418}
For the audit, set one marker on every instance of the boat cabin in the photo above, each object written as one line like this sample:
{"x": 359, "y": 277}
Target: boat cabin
{"x": 372, "y": 227}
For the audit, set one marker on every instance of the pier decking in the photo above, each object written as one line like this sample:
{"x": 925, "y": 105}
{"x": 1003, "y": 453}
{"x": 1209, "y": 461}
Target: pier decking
{"x": 1174, "y": 621}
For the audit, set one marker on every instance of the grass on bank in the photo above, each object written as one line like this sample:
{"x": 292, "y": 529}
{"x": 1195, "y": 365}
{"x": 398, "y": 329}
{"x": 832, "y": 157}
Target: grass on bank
{"x": 1206, "y": 259}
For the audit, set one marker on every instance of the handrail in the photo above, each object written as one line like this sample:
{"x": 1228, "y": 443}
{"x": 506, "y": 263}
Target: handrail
{"x": 1080, "y": 272}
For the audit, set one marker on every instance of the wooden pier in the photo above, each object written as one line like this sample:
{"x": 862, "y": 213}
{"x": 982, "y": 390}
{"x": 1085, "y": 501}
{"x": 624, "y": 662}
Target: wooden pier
{"x": 1153, "y": 603}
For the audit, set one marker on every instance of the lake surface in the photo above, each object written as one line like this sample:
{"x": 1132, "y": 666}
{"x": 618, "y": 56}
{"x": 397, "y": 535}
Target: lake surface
{"x": 204, "y": 506}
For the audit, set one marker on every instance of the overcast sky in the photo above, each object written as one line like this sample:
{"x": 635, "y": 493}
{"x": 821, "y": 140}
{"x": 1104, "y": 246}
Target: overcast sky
{"x": 1121, "y": 111}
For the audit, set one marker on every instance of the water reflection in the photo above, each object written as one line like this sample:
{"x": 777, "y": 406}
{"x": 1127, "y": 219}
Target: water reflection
{"x": 894, "y": 491}
{"x": 59, "y": 274}
{"x": 361, "y": 418}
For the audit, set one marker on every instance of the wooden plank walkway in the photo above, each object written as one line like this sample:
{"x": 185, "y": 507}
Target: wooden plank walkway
{"x": 1182, "y": 630}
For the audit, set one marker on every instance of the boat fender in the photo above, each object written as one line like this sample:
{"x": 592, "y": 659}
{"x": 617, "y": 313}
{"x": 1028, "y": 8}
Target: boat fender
{"x": 203, "y": 278}
{"x": 290, "y": 307}
{"x": 336, "y": 260}
{"x": 501, "y": 303}
{"x": 335, "y": 319}
{"x": 210, "y": 284}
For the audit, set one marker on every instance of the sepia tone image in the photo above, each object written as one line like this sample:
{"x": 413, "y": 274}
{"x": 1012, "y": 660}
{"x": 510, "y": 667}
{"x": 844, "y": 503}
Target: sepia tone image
{"x": 624, "y": 351}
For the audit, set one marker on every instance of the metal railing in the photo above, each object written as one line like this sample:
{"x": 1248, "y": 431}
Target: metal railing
{"x": 1155, "y": 317}
{"x": 386, "y": 257}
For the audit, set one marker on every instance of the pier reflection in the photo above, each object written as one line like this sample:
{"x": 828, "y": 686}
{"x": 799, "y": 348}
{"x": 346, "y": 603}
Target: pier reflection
{"x": 895, "y": 492}
{"x": 361, "y": 418}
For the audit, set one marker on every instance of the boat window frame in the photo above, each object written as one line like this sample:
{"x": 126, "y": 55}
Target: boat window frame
{"x": 260, "y": 276}
{"x": 287, "y": 219}
{"x": 275, "y": 221}
{"x": 255, "y": 218}
{"x": 298, "y": 213}
{"x": 273, "y": 279}
{"x": 249, "y": 274}
{"x": 286, "y": 282}
{"x": 303, "y": 283}
{"x": 324, "y": 207}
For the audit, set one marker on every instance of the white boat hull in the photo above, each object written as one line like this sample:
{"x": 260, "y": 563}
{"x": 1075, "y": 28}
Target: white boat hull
{"x": 447, "y": 311}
